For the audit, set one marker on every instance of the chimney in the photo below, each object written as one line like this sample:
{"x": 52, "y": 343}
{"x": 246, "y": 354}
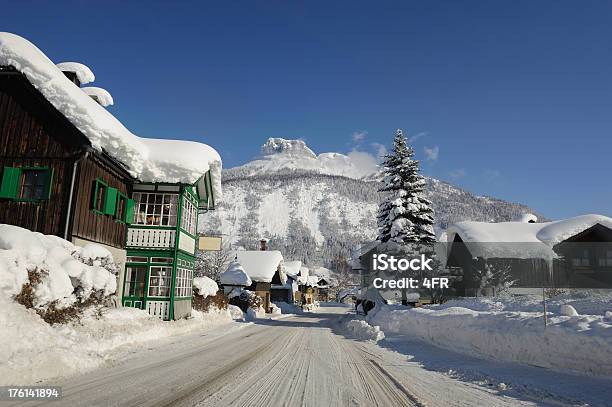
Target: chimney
{"x": 263, "y": 244}
{"x": 73, "y": 77}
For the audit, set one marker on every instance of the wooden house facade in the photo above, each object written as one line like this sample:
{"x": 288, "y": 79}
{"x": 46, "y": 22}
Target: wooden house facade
{"x": 573, "y": 255}
{"x": 54, "y": 180}
{"x": 49, "y": 173}
{"x": 161, "y": 244}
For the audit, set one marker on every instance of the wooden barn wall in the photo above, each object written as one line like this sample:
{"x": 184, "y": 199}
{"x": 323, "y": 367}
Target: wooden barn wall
{"x": 25, "y": 140}
{"x": 88, "y": 224}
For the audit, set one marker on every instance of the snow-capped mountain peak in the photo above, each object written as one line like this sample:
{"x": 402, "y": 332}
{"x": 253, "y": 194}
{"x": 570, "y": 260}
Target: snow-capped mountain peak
{"x": 281, "y": 154}
{"x": 276, "y": 145}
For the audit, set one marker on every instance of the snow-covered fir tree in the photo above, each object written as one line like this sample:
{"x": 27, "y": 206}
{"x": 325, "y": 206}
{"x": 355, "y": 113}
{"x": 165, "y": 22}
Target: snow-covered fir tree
{"x": 405, "y": 216}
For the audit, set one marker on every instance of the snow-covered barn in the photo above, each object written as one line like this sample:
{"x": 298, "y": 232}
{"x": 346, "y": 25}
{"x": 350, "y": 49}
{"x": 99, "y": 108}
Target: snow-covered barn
{"x": 70, "y": 168}
{"x": 574, "y": 252}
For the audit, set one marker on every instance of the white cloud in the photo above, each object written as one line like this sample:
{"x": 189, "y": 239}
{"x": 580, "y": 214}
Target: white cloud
{"x": 358, "y": 136}
{"x": 416, "y": 137}
{"x": 431, "y": 153}
{"x": 365, "y": 163}
{"x": 458, "y": 173}
{"x": 381, "y": 150}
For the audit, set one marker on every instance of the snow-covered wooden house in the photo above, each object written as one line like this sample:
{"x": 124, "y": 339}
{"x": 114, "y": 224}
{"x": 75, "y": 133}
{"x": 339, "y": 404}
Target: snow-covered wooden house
{"x": 308, "y": 288}
{"x": 568, "y": 253}
{"x": 265, "y": 269}
{"x": 71, "y": 169}
{"x": 55, "y": 178}
{"x": 287, "y": 292}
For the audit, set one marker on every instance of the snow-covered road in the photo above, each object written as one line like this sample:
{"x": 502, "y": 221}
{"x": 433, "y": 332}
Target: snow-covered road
{"x": 298, "y": 360}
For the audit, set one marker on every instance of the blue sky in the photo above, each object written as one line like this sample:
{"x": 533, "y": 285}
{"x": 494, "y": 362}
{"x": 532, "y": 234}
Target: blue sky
{"x": 511, "y": 99}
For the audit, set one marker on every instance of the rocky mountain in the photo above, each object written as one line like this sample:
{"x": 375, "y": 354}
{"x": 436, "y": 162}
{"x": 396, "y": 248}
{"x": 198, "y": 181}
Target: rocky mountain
{"x": 315, "y": 208}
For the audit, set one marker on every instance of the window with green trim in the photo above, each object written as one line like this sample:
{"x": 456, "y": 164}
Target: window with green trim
{"x": 121, "y": 207}
{"x": 99, "y": 198}
{"x": 26, "y": 184}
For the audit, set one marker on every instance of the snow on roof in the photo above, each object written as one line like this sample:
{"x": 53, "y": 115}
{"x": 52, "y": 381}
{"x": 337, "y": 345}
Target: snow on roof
{"x": 149, "y": 160}
{"x": 292, "y": 268}
{"x": 235, "y": 275}
{"x": 83, "y": 73}
{"x": 519, "y": 239}
{"x": 102, "y": 96}
{"x": 261, "y": 265}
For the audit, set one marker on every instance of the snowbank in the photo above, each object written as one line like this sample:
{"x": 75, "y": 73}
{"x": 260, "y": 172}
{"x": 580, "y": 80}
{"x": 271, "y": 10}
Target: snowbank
{"x": 32, "y": 350}
{"x": 235, "y": 275}
{"x": 67, "y": 273}
{"x": 360, "y": 329}
{"x": 510, "y": 330}
{"x": 205, "y": 286}
{"x": 149, "y": 160}
{"x": 235, "y": 312}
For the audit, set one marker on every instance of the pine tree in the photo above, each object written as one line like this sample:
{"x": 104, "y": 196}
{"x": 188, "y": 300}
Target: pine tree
{"x": 405, "y": 216}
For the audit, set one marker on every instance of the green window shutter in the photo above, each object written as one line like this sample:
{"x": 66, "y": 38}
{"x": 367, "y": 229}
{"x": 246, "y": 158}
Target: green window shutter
{"x": 49, "y": 183}
{"x": 10, "y": 182}
{"x": 110, "y": 203}
{"x": 129, "y": 212}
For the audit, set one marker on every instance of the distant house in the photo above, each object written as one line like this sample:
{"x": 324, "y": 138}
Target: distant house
{"x": 574, "y": 252}
{"x": 265, "y": 269}
{"x": 307, "y": 287}
{"x": 323, "y": 289}
{"x": 287, "y": 292}
{"x": 69, "y": 168}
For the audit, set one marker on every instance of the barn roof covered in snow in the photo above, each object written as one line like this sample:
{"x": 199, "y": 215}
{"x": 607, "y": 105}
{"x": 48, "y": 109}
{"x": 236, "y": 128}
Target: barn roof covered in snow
{"x": 292, "y": 268}
{"x": 149, "y": 160}
{"x": 521, "y": 239}
{"x": 261, "y": 265}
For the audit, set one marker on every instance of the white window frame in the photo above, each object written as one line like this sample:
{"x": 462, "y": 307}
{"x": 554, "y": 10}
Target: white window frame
{"x": 189, "y": 216}
{"x": 164, "y": 281}
{"x": 163, "y": 208}
{"x": 184, "y": 282}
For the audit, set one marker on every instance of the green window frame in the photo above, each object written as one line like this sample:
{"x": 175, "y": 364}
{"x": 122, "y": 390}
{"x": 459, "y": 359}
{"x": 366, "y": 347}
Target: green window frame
{"x": 26, "y": 184}
{"x": 99, "y": 196}
{"x": 123, "y": 208}
{"x": 107, "y": 200}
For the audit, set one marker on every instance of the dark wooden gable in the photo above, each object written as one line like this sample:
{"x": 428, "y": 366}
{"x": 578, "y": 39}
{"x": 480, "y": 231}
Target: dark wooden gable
{"x": 33, "y": 133}
{"x": 596, "y": 233}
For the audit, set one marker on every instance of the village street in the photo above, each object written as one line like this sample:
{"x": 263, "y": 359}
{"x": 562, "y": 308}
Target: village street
{"x": 292, "y": 361}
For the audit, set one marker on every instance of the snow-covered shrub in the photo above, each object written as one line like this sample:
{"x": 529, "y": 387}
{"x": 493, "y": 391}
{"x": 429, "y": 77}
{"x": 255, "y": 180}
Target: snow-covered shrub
{"x": 245, "y": 300}
{"x": 210, "y": 302}
{"x": 497, "y": 278}
{"x": 51, "y": 275}
{"x": 207, "y": 296}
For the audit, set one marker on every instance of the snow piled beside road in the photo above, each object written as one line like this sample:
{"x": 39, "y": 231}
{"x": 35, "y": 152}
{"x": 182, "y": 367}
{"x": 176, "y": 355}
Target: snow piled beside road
{"x": 32, "y": 350}
{"x": 511, "y": 330}
{"x": 360, "y": 329}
